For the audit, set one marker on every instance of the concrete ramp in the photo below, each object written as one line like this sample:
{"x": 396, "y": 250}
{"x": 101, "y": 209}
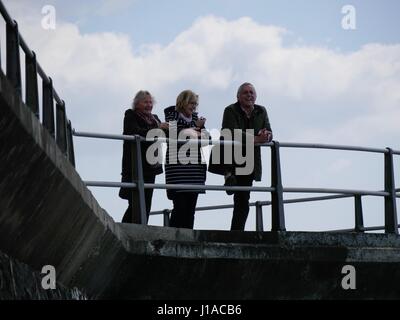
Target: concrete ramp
{"x": 49, "y": 217}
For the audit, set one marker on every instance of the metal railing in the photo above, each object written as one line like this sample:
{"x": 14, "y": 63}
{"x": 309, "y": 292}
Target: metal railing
{"x": 56, "y": 122}
{"x": 276, "y": 189}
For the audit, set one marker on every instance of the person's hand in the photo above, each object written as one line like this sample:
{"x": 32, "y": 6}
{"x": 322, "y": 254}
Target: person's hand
{"x": 200, "y": 122}
{"x": 263, "y": 136}
{"x": 269, "y": 135}
{"x": 164, "y": 125}
{"x": 260, "y": 139}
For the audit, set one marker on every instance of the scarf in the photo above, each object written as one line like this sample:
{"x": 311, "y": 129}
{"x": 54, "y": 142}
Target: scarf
{"x": 187, "y": 119}
{"x": 148, "y": 118}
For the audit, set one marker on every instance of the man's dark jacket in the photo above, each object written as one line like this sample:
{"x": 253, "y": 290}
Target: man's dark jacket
{"x": 235, "y": 118}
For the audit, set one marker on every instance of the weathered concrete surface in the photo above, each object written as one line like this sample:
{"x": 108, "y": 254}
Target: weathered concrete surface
{"x": 254, "y": 265}
{"x": 19, "y": 282}
{"x": 49, "y": 217}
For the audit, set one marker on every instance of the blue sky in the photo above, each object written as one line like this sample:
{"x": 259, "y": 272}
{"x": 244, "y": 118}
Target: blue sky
{"x": 320, "y": 83}
{"x": 315, "y": 21}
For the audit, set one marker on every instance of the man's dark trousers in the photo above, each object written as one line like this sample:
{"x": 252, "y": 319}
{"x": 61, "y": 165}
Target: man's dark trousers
{"x": 241, "y": 203}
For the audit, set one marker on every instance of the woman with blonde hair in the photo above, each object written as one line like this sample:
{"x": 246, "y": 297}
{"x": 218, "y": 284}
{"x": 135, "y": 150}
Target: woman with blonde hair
{"x": 184, "y": 120}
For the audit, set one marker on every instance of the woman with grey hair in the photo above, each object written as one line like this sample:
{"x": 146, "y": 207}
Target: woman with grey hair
{"x": 139, "y": 120}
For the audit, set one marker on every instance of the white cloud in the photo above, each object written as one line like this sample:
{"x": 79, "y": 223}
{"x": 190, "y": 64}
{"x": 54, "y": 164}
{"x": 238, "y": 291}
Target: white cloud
{"x": 215, "y": 54}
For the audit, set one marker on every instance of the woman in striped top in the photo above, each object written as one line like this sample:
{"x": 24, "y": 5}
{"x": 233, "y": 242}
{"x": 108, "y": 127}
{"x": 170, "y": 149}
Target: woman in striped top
{"x": 184, "y": 165}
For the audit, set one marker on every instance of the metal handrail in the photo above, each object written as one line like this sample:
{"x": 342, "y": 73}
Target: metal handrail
{"x": 342, "y": 191}
{"x": 372, "y": 228}
{"x": 54, "y": 118}
{"x": 27, "y": 50}
{"x": 176, "y": 186}
{"x": 269, "y": 144}
{"x": 109, "y": 184}
{"x": 331, "y": 146}
{"x": 276, "y": 189}
{"x": 202, "y": 142}
{"x": 266, "y": 203}
{"x": 263, "y": 203}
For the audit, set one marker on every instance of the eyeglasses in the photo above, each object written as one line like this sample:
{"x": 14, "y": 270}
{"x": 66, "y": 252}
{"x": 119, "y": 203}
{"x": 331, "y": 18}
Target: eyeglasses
{"x": 193, "y": 103}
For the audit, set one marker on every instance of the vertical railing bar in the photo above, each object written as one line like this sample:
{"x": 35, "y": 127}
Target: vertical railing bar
{"x": 278, "y": 215}
{"x": 15, "y": 41}
{"x": 359, "y": 219}
{"x": 31, "y": 84}
{"x": 70, "y": 144}
{"x": 259, "y": 217}
{"x": 139, "y": 214}
{"x": 61, "y": 130}
{"x": 166, "y": 213}
{"x": 48, "y": 106}
{"x": 0, "y": 56}
{"x": 13, "y": 57}
{"x": 390, "y": 201}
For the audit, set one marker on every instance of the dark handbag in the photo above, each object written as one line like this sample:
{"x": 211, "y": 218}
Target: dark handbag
{"x": 216, "y": 163}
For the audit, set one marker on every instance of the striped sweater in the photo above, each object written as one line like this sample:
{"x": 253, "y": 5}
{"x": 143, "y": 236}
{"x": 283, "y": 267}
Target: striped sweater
{"x": 183, "y": 165}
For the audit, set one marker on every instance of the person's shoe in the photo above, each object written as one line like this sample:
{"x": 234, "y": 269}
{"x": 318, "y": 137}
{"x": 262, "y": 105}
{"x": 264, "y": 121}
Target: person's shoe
{"x": 230, "y": 181}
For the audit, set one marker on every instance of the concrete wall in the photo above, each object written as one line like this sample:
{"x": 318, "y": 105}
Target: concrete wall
{"x": 19, "y": 282}
{"x": 198, "y": 264}
{"x": 49, "y": 217}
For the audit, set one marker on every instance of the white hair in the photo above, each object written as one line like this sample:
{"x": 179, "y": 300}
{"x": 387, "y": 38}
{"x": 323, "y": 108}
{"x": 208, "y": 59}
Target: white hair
{"x": 140, "y": 96}
{"x": 245, "y": 85}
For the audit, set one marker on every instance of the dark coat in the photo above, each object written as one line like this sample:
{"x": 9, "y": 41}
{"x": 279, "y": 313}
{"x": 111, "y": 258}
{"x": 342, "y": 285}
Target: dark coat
{"x": 133, "y": 124}
{"x": 235, "y": 118}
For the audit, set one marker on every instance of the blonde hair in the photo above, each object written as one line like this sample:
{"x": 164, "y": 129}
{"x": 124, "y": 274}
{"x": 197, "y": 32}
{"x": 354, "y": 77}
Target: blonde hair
{"x": 140, "y": 96}
{"x": 184, "y": 98}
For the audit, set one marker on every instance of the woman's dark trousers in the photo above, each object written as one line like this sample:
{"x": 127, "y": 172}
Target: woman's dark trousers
{"x": 182, "y": 216}
{"x": 148, "y": 195}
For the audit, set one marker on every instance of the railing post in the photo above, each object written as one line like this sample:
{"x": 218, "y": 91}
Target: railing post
{"x": 70, "y": 143}
{"x": 278, "y": 215}
{"x": 48, "y": 106}
{"x": 13, "y": 60}
{"x": 166, "y": 213}
{"x": 138, "y": 199}
{"x": 61, "y": 120}
{"x": 390, "y": 201}
{"x": 31, "y": 84}
{"x": 259, "y": 217}
{"x": 359, "y": 220}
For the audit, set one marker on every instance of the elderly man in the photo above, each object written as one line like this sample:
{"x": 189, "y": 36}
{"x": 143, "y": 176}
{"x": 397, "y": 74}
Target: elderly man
{"x": 245, "y": 115}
